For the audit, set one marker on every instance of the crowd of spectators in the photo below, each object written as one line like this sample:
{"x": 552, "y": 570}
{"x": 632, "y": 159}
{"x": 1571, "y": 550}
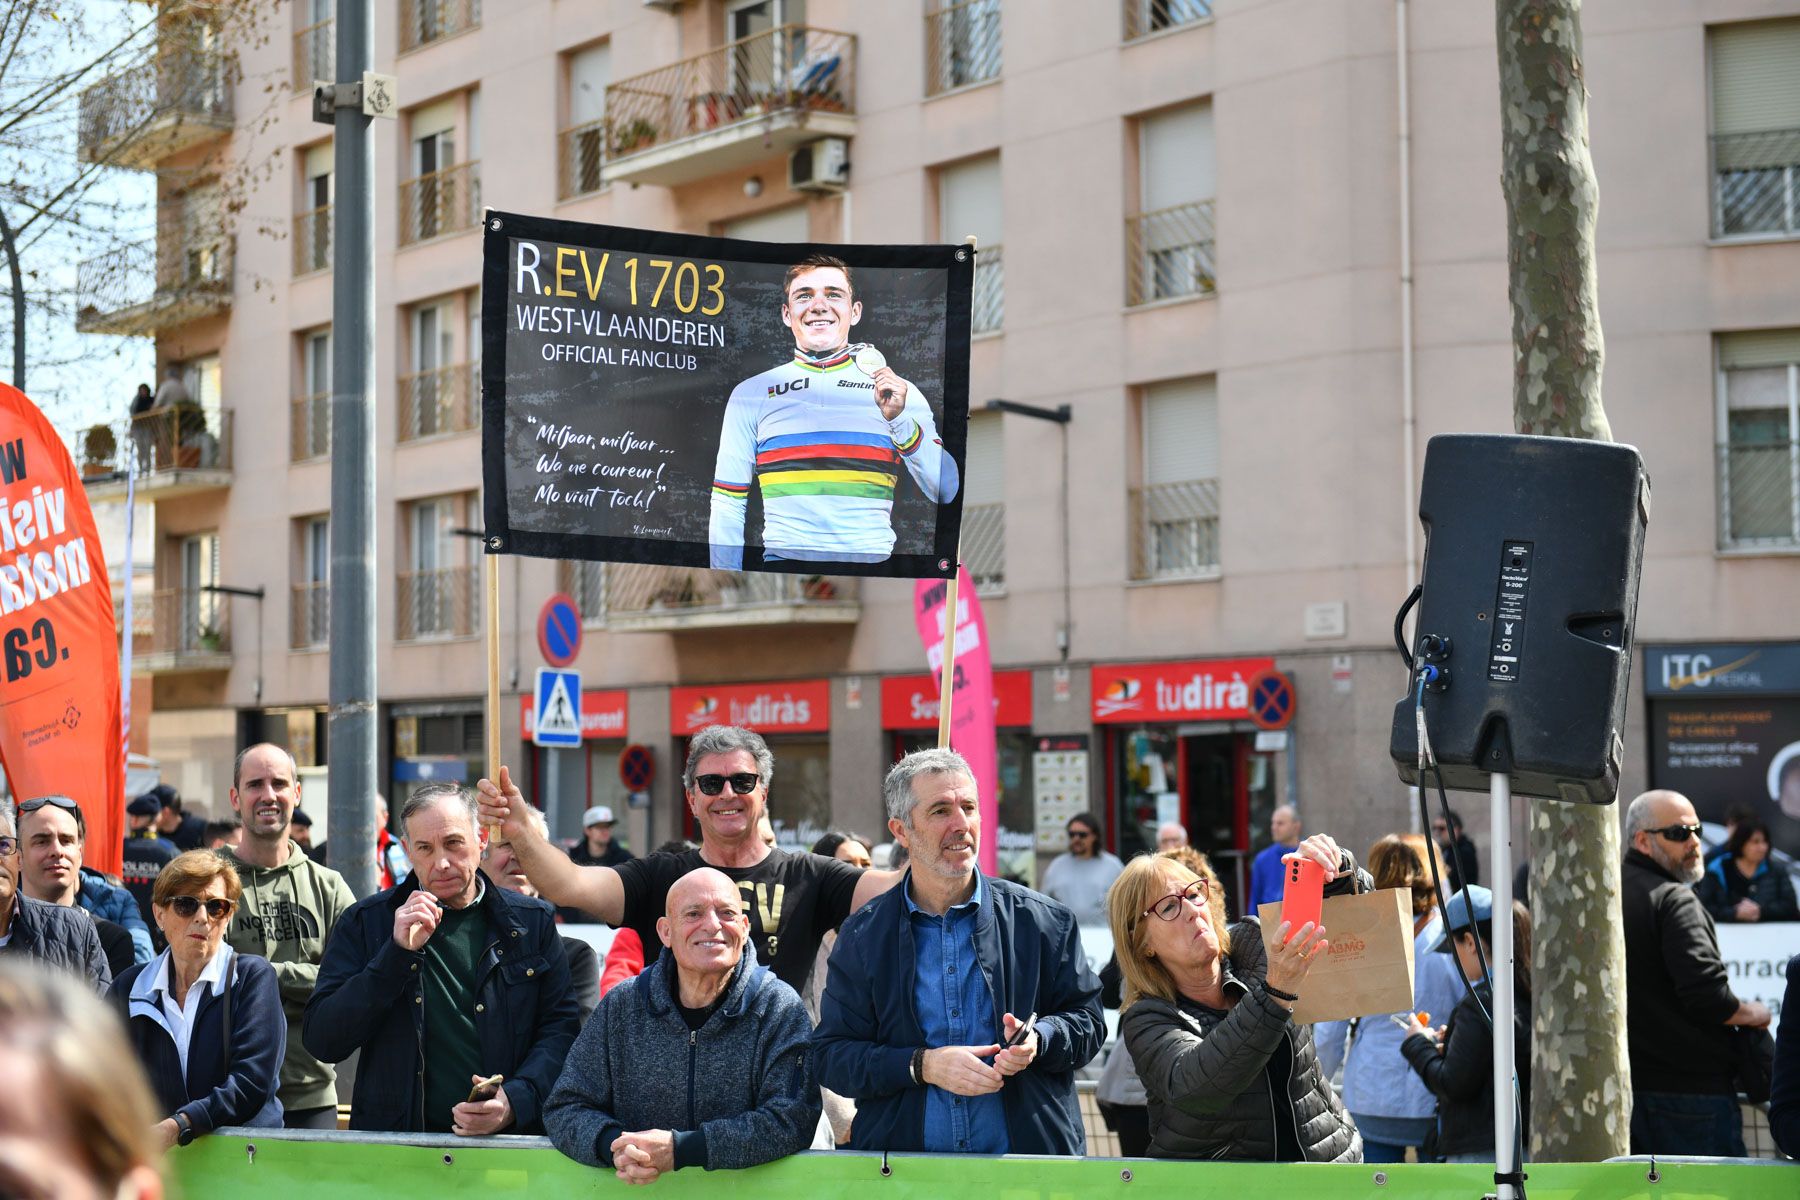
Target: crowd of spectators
{"x": 759, "y": 1001}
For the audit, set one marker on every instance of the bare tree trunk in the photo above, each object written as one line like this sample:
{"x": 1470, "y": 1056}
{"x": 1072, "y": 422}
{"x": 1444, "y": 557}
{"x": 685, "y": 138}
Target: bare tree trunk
{"x": 18, "y": 302}
{"x": 1581, "y": 1074}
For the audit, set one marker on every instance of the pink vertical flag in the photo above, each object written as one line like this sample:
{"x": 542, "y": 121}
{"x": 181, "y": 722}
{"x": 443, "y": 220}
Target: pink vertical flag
{"x": 972, "y": 693}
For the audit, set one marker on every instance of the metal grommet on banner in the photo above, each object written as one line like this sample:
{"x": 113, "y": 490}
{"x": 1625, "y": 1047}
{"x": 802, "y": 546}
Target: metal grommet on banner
{"x": 962, "y": 255}
{"x": 449, "y": 1160}
{"x": 1125, "y": 1175}
{"x": 250, "y": 1152}
{"x": 494, "y": 224}
{"x": 944, "y": 565}
{"x": 495, "y": 542}
{"x": 1381, "y": 1179}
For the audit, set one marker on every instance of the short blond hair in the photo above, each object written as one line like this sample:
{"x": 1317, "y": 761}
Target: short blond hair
{"x": 1145, "y": 880}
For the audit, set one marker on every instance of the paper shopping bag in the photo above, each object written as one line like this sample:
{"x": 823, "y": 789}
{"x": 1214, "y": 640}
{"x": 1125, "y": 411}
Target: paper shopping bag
{"x": 1370, "y": 967}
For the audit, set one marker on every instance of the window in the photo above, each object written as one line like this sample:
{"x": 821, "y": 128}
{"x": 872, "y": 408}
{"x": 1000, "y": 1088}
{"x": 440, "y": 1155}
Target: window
{"x": 315, "y": 42}
{"x": 436, "y": 598}
{"x": 758, "y": 59}
{"x": 777, "y": 225}
{"x": 1170, "y": 240}
{"x": 969, "y": 203}
{"x": 1756, "y": 128}
{"x": 425, "y": 21}
{"x": 585, "y": 583}
{"x": 312, "y": 226}
{"x": 443, "y": 194}
{"x": 1176, "y": 511}
{"x": 1145, "y": 17}
{"x": 310, "y": 432}
{"x": 1759, "y": 439}
{"x": 429, "y": 392}
{"x": 200, "y": 615}
{"x": 984, "y": 504}
{"x": 584, "y": 141}
{"x": 962, "y": 44}
{"x": 311, "y": 600}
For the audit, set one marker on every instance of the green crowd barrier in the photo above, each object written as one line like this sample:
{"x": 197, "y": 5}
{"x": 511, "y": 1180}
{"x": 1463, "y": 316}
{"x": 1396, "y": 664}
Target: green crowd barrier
{"x": 277, "y": 1165}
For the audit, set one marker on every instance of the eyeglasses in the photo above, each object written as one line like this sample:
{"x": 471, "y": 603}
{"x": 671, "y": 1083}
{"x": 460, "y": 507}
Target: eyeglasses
{"x": 1169, "y": 907}
{"x": 743, "y": 783}
{"x": 1677, "y": 833}
{"x": 31, "y": 806}
{"x": 217, "y": 908}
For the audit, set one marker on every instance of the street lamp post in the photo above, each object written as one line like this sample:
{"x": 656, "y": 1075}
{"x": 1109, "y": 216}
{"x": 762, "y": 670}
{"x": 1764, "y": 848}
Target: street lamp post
{"x": 1060, "y": 415}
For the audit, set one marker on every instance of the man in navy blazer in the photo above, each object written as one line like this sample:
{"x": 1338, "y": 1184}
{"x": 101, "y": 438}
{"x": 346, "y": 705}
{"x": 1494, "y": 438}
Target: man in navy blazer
{"x": 957, "y": 1007}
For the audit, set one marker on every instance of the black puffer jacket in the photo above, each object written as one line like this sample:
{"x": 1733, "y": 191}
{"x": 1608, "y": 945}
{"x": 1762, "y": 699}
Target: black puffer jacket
{"x": 1462, "y": 1074}
{"x": 62, "y": 937}
{"x": 1204, "y": 1073}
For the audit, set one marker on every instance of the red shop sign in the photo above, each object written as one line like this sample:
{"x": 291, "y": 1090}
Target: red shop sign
{"x": 602, "y": 714}
{"x": 792, "y": 706}
{"x": 1200, "y": 690}
{"x": 911, "y": 701}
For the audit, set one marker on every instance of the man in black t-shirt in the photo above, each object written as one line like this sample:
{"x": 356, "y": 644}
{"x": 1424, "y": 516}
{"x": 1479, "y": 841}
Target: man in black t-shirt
{"x": 793, "y": 899}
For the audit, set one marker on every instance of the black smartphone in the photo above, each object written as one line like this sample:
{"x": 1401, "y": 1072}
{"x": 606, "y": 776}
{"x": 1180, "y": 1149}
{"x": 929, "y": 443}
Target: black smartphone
{"x": 1022, "y": 1032}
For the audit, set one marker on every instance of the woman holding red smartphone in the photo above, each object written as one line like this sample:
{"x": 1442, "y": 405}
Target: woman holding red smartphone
{"x": 1208, "y": 1017}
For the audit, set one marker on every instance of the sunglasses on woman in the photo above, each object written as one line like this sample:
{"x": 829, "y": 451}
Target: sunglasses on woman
{"x": 217, "y": 907}
{"x": 1169, "y": 907}
{"x": 743, "y": 783}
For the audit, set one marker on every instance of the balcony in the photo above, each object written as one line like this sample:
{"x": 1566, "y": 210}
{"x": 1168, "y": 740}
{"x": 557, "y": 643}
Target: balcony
{"x": 984, "y": 547}
{"x": 653, "y": 599}
{"x": 309, "y": 427}
{"x": 962, "y": 45}
{"x": 731, "y": 107}
{"x": 183, "y": 275}
{"x": 440, "y": 203}
{"x": 988, "y": 311}
{"x": 137, "y": 118}
{"x": 180, "y": 451}
{"x": 1175, "y": 530}
{"x": 1146, "y": 17}
{"x": 581, "y": 151}
{"x": 445, "y": 400}
{"x": 423, "y": 22}
{"x": 1759, "y": 495}
{"x": 312, "y": 241}
{"x": 181, "y": 630}
{"x": 315, "y": 55}
{"x": 1756, "y": 184}
{"x": 439, "y": 603}
{"x": 1169, "y": 254}
{"x": 309, "y": 610}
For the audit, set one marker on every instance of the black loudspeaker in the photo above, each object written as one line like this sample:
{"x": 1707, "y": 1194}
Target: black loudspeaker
{"x": 1533, "y": 546}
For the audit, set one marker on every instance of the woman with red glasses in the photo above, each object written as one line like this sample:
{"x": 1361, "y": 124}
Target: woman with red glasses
{"x": 205, "y": 1020}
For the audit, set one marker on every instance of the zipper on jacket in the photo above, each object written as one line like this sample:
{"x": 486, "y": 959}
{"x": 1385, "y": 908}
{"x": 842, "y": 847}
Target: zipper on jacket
{"x": 693, "y": 1050}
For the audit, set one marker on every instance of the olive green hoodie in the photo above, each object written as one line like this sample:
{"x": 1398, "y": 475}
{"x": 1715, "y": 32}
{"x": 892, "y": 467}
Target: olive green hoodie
{"x": 285, "y": 914}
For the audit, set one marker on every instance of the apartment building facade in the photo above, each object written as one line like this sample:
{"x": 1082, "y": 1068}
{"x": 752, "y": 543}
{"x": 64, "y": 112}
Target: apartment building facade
{"x": 1189, "y": 220}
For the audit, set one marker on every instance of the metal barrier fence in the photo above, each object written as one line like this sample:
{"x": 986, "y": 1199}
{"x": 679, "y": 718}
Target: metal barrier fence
{"x": 1145, "y": 17}
{"x": 440, "y": 202}
{"x": 1176, "y": 530}
{"x": 425, "y": 21}
{"x": 1756, "y": 183}
{"x": 792, "y": 67}
{"x": 962, "y": 45}
{"x": 1169, "y": 253}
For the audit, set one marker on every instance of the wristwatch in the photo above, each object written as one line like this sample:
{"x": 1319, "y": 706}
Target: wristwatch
{"x": 187, "y": 1133}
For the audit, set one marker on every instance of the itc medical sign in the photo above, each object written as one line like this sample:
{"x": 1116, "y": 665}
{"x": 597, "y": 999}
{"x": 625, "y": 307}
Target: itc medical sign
{"x": 1716, "y": 670}
{"x": 1202, "y": 690}
{"x": 794, "y": 706}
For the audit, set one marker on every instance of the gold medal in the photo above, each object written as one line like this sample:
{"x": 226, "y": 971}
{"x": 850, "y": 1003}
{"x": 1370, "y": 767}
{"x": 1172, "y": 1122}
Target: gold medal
{"x": 869, "y": 360}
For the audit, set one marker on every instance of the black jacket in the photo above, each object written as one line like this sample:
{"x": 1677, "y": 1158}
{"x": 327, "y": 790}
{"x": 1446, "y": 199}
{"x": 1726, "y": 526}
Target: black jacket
{"x": 1784, "y": 1088}
{"x": 1462, "y": 1077}
{"x": 1677, "y": 992}
{"x": 1203, "y": 1071}
{"x": 1724, "y": 886}
{"x": 61, "y": 937}
{"x": 369, "y": 998}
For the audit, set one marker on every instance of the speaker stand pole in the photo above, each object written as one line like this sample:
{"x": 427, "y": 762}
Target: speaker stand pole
{"x": 1501, "y": 963}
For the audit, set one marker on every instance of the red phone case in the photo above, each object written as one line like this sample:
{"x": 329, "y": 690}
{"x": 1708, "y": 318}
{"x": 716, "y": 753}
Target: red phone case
{"x": 1302, "y": 893}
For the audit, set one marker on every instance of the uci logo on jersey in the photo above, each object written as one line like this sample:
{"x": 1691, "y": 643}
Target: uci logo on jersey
{"x": 792, "y": 385}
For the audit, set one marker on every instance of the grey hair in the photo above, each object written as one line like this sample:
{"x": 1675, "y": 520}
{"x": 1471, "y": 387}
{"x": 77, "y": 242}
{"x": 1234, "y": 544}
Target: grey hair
{"x": 9, "y": 817}
{"x": 897, "y": 790}
{"x": 723, "y": 739}
{"x": 1637, "y": 816}
{"x": 431, "y": 794}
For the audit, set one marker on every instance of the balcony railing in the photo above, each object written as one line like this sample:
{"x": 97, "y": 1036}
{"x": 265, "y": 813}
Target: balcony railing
{"x": 310, "y": 615}
{"x": 641, "y": 597}
{"x": 962, "y": 45}
{"x": 984, "y": 546}
{"x": 581, "y": 151}
{"x": 182, "y": 629}
{"x": 1756, "y": 184}
{"x": 185, "y": 274}
{"x": 1169, "y": 253}
{"x": 1176, "y": 530}
{"x": 312, "y": 241}
{"x": 178, "y": 450}
{"x": 315, "y": 54}
{"x": 441, "y": 202}
{"x": 1759, "y": 495}
{"x": 1145, "y": 17}
{"x": 425, "y": 21}
{"x": 309, "y": 428}
{"x": 444, "y": 400}
{"x": 439, "y": 603}
{"x": 988, "y": 312}
{"x": 740, "y": 103}
{"x": 585, "y": 583}
{"x": 142, "y": 115}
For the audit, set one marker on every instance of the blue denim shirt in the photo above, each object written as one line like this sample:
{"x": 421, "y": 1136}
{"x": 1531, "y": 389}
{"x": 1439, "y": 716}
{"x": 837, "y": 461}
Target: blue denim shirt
{"x": 955, "y": 1008}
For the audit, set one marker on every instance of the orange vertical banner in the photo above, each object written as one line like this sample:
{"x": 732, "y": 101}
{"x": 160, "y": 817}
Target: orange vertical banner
{"x": 59, "y": 643}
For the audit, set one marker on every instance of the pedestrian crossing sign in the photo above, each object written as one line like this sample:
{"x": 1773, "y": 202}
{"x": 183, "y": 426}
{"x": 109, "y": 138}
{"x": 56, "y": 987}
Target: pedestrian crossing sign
{"x": 557, "y": 714}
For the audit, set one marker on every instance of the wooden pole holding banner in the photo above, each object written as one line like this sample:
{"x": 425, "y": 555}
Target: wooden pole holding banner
{"x": 491, "y": 566}
{"x": 946, "y": 669}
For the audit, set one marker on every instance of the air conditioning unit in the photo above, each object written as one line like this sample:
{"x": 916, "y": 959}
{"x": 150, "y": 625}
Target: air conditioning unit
{"x": 821, "y": 166}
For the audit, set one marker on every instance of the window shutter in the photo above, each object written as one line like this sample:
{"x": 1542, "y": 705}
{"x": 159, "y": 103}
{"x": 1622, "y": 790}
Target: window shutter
{"x": 1177, "y": 152}
{"x": 1756, "y": 76}
{"x": 320, "y": 159}
{"x": 434, "y": 119}
{"x": 590, "y": 71}
{"x": 969, "y": 202}
{"x": 984, "y": 471}
{"x": 1759, "y": 348}
{"x": 1181, "y": 431}
{"x": 779, "y": 225}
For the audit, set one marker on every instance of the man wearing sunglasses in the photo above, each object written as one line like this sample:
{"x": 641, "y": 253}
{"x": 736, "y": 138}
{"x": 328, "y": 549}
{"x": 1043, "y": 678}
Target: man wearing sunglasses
{"x": 793, "y": 899}
{"x": 64, "y": 938}
{"x": 52, "y": 836}
{"x": 1679, "y": 1005}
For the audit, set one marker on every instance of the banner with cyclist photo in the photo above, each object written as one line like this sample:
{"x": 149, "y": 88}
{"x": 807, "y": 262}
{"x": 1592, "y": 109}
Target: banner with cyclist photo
{"x": 705, "y": 402}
